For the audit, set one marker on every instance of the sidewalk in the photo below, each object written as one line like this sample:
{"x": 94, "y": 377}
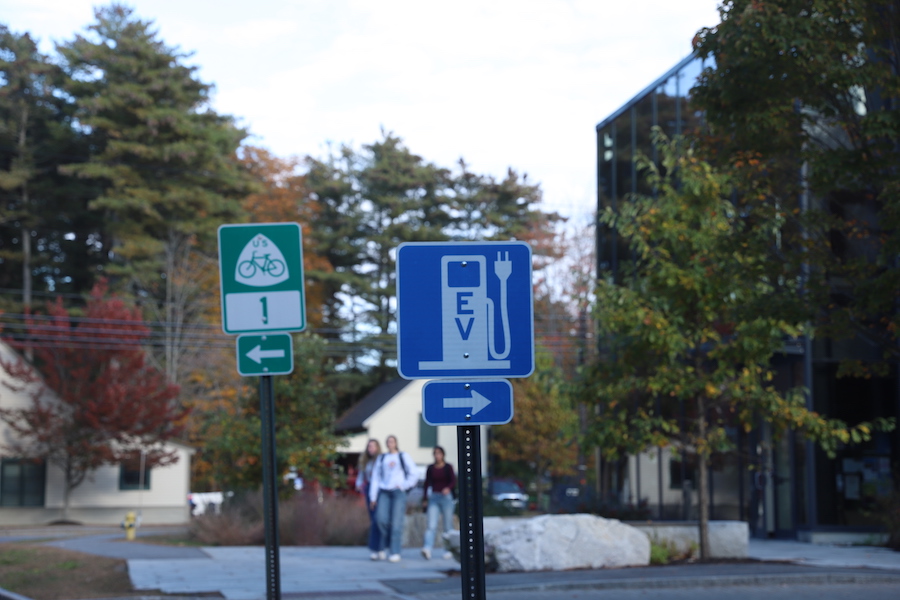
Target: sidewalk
{"x": 238, "y": 573}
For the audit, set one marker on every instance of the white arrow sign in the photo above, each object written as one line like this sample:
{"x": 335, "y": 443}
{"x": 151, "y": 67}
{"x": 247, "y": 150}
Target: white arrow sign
{"x": 476, "y": 402}
{"x": 258, "y": 354}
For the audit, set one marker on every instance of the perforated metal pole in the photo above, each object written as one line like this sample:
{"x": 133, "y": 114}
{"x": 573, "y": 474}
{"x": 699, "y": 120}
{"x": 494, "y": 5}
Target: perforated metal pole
{"x": 270, "y": 491}
{"x": 471, "y": 512}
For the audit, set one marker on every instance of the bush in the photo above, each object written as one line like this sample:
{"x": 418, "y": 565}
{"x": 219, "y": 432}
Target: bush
{"x": 888, "y": 514}
{"x": 660, "y": 553}
{"x": 231, "y": 527}
{"x": 305, "y": 519}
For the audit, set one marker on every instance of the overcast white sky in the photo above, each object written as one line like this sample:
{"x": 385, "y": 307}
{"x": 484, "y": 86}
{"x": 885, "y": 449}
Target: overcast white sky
{"x": 501, "y": 83}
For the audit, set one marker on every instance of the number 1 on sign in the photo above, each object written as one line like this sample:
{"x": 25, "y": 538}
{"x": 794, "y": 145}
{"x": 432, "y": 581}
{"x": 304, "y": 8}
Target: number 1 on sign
{"x": 265, "y": 309}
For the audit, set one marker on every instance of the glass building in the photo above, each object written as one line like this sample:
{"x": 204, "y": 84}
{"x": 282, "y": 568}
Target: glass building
{"x": 782, "y": 487}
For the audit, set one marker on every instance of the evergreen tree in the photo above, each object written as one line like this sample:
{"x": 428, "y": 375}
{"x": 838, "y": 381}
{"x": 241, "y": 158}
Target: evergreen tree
{"x": 48, "y": 241}
{"x": 370, "y": 202}
{"x": 166, "y": 160}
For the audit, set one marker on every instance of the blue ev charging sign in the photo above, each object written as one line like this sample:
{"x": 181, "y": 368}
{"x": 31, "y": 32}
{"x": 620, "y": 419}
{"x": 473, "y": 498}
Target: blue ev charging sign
{"x": 464, "y": 310}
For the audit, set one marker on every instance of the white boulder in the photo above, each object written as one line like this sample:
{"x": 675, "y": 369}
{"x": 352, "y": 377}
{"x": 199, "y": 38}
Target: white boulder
{"x": 561, "y": 542}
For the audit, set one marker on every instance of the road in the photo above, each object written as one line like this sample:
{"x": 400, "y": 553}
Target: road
{"x": 867, "y": 591}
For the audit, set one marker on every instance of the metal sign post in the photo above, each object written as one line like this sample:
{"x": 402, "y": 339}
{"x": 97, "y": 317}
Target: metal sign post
{"x": 270, "y": 489}
{"x": 471, "y": 513}
{"x": 262, "y": 289}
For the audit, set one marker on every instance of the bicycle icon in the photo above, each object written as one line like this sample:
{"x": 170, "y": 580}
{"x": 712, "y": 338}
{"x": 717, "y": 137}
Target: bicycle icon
{"x": 261, "y": 262}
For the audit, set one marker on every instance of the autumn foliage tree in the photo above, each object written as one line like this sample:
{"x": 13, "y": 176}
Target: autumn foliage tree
{"x": 691, "y": 324}
{"x": 541, "y": 436}
{"x": 94, "y": 399}
{"x": 304, "y": 417}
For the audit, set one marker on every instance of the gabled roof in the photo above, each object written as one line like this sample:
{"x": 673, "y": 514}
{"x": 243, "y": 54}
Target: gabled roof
{"x": 353, "y": 420}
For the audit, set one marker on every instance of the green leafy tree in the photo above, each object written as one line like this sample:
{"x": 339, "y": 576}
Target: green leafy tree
{"x": 304, "y": 415}
{"x": 166, "y": 160}
{"x": 809, "y": 89}
{"x": 694, "y": 320}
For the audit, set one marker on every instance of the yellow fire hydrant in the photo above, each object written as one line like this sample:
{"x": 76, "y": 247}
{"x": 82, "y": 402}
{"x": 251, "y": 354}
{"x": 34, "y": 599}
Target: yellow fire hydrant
{"x": 130, "y": 526}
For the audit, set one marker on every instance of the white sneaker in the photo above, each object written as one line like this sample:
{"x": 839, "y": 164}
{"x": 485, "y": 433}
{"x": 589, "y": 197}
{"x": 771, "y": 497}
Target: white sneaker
{"x": 374, "y": 556}
{"x": 394, "y": 558}
{"x": 448, "y": 555}
{"x": 426, "y": 552}
{"x": 382, "y": 555}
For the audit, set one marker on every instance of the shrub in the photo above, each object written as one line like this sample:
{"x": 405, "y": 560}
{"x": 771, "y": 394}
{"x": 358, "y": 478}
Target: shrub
{"x": 888, "y": 513}
{"x": 304, "y": 519}
{"x": 323, "y": 520}
{"x": 231, "y": 527}
{"x": 660, "y": 553}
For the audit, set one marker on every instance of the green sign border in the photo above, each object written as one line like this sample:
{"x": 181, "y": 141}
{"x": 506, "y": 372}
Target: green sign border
{"x": 233, "y": 238}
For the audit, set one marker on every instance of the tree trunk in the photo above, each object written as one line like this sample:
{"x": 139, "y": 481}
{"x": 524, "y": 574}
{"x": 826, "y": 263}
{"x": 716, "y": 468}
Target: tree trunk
{"x": 26, "y": 230}
{"x": 67, "y": 491}
{"x": 703, "y": 483}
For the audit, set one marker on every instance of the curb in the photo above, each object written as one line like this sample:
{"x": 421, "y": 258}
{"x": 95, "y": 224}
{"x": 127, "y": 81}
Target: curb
{"x": 440, "y": 590}
{"x": 8, "y": 595}
{"x": 708, "y": 581}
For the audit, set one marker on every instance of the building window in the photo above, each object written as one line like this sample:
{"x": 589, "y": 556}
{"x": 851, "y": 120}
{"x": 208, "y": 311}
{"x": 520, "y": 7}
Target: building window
{"x": 130, "y": 475}
{"x": 427, "y": 434}
{"x": 677, "y": 478}
{"x": 22, "y": 482}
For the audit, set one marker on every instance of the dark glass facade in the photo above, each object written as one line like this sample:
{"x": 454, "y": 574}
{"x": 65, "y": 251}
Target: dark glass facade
{"x": 782, "y": 487}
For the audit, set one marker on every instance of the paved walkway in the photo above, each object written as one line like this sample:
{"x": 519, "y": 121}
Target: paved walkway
{"x": 338, "y": 573}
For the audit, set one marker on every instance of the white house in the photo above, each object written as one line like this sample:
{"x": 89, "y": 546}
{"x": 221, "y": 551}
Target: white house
{"x": 31, "y": 492}
{"x": 395, "y": 408}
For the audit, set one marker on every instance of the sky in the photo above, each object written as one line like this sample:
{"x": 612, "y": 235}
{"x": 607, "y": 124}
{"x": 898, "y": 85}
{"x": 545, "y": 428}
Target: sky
{"x": 503, "y": 84}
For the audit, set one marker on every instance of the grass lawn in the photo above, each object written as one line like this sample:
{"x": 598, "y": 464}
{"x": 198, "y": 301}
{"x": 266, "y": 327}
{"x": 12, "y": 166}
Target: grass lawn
{"x": 46, "y": 573}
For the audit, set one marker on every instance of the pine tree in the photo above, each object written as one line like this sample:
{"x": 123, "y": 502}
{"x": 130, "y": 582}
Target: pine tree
{"x": 45, "y": 230}
{"x": 166, "y": 160}
{"x": 370, "y": 202}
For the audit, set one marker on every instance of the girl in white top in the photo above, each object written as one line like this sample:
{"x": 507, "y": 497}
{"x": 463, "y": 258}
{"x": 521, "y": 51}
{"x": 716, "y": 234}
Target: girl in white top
{"x": 393, "y": 475}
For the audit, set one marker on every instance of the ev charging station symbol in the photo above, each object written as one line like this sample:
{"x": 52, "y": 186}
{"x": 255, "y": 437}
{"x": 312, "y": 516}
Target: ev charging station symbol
{"x": 465, "y": 310}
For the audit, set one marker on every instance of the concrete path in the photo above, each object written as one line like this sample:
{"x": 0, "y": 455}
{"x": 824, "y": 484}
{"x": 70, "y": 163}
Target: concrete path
{"x": 824, "y": 555}
{"x": 238, "y": 573}
{"x": 339, "y": 573}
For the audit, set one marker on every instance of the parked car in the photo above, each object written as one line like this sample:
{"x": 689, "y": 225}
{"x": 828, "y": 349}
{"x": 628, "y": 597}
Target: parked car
{"x": 509, "y": 493}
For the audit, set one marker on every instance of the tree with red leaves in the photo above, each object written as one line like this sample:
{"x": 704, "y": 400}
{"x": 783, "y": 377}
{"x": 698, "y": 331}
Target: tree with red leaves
{"x": 95, "y": 400}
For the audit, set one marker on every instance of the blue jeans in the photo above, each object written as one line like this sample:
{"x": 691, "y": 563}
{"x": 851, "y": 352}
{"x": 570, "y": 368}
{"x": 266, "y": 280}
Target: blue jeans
{"x": 438, "y": 504}
{"x": 390, "y": 512}
{"x": 374, "y": 534}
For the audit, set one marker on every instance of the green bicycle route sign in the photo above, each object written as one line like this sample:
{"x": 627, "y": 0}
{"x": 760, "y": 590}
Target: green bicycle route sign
{"x": 261, "y": 278}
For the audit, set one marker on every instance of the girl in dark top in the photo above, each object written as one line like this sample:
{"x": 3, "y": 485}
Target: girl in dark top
{"x": 440, "y": 480}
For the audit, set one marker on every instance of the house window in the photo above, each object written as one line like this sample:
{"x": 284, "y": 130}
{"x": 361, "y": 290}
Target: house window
{"x": 130, "y": 474}
{"x": 677, "y": 479}
{"x": 427, "y": 434}
{"x": 22, "y": 482}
